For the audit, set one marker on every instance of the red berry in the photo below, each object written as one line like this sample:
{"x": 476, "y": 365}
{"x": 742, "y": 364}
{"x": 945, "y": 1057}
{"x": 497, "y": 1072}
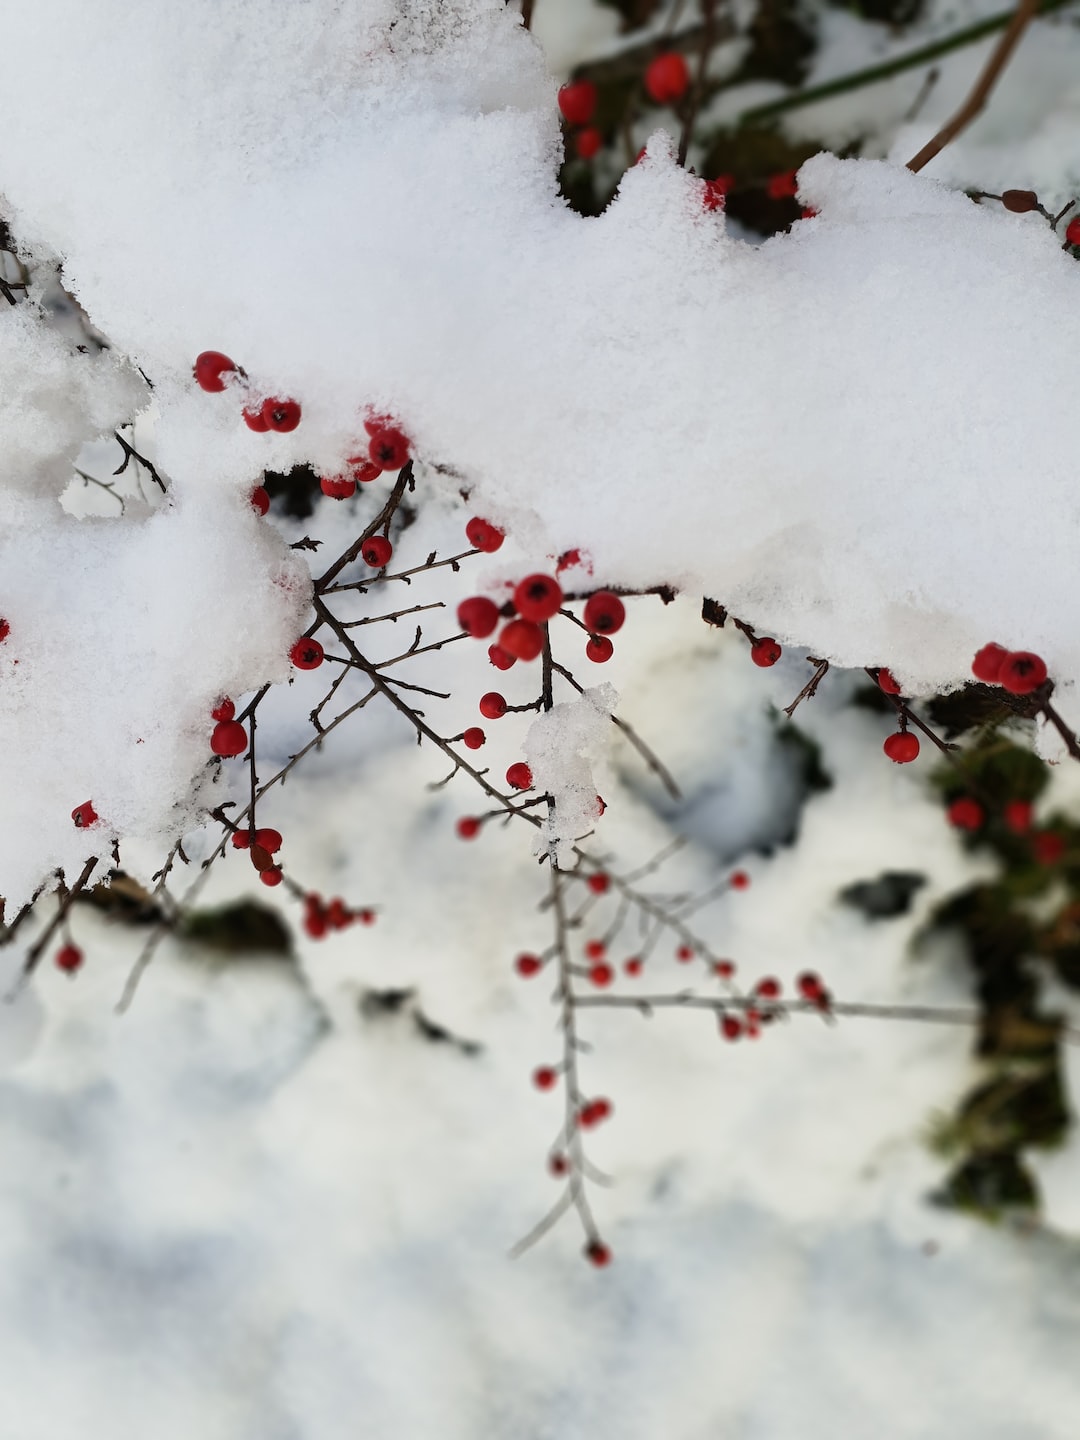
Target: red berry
{"x": 269, "y": 839}
{"x": 599, "y": 649}
{"x": 633, "y": 965}
{"x": 667, "y": 78}
{"x": 482, "y": 535}
{"x": 810, "y": 987}
{"x": 730, "y": 1027}
{"x": 765, "y": 652}
{"x": 577, "y": 101}
{"x": 468, "y": 827}
{"x": 559, "y": 1165}
{"x": 588, "y": 143}
{"x": 228, "y": 738}
{"x": 84, "y": 815}
{"x": 260, "y": 499}
{"x": 374, "y": 424}
{"x": 601, "y": 974}
{"x": 281, "y": 415}
{"x": 376, "y": 551}
{"x": 338, "y": 914}
{"x": 538, "y": 598}
{"x": 684, "y": 953}
{"x": 271, "y": 875}
{"x": 499, "y": 658}
{"x": 1072, "y": 231}
{"x": 519, "y": 776}
{"x": 593, "y": 1112}
{"x": 307, "y": 653}
{"x": 478, "y": 616}
{"x": 389, "y": 448}
{"x": 255, "y": 420}
{"x": 902, "y": 748}
{"x": 1021, "y": 672}
{"x": 223, "y": 710}
{"x": 492, "y": 705}
{"x": 739, "y": 880}
{"x": 528, "y": 965}
{"x": 987, "y": 663}
{"x": 715, "y": 192}
{"x": 784, "y": 186}
{"x": 966, "y": 814}
{"x": 314, "y": 923}
{"x": 1018, "y": 816}
{"x": 363, "y": 469}
{"x": 598, "y": 883}
{"x": 604, "y": 613}
{"x": 209, "y": 369}
{"x": 338, "y": 487}
{"x": 241, "y": 839}
{"x": 5, "y": 630}
{"x": 725, "y": 969}
{"x": 887, "y": 682}
{"x": 595, "y": 949}
{"x": 597, "y": 1253}
{"x": 69, "y": 958}
{"x": 1048, "y": 847}
{"x": 473, "y": 738}
{"x": 768, "y": 988}
{"x": 521, "y": 639}
{"x": 366, "y": 917}
{"x": 544, "y": 1077}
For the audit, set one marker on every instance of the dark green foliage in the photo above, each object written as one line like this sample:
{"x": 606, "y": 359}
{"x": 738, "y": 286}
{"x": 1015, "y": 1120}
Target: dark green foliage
{"x": 889, "y": 895}
{"x": 239, "y": 929}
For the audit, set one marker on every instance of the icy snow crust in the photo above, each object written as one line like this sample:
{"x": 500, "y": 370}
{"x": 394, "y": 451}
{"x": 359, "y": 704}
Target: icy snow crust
{"x": 857, "y": 435}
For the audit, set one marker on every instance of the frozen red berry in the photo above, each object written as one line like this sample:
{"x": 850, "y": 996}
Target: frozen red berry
{"x": 714, "y": 192}
{"x": 241, "y": 839}
{"x": 810, "y": 987}
{"x": 1018, "y": 816}
{"x": 492, "y": 705}
{"x": 768, "y": 988}
{"x": 597, "y": 1253}
{"x": 270, "y": 840}
{"x": 604, "y": 613}
{"x": 482, "y": 535}
{"x": 314, "y": 922}
{"x": 559, "y": 1165}
{"x": 363, "y": 469}
{"x": 730, "y": 1027}
{"x": 69, "y": 958}
{"x": 468, "y": 827}
{"x": 271, "y": 875}
{"x": 599, "y": 883}
{"x": 366, "y": 916}
{"x": 210, "y": 370}
{"x": 545, "y": 1077}
{"x": 765, "y": 652}
{"x": 902, "y": 748}
{"x": 684, "y": 953}
{"x": 85, "y": 815}
{"x": 593, "y": 1112}
{"x": 519, "y": 776}
{"x": 783, "y": 186}
{"x": 1048, "y": 847}
{"x": 599, "y": 649}
{"x": 577, "y": 101}
{"x": 260, "y": 499}
{"x": 588, "y": 143}
{"x": 376, "y": 551}
{"x": 739, "y": 880}
{"x": 338, "y": 487}
{"x": 601, "y": 974}
{"x": 307, "y": 653}
{"x": 1072, "y": 232}
{"x": 966, "y": 814}
{"x": 887, "y": 682}
{"x": 228, "y": 738}
{"x": 1022, "y": 672}
{"x": 633, "y": 966}
{"x": 255, "y": 420}
{"x": 987, "y": 663}
{"x": 223, "y": 710}
{"x": 724, "y": 969}
{"x": 499, "y": 658}
{"x": 473, "y": 738}
{"x": 538, "y": 598}
{"x": 478, "y": 616}
{"x": 521, "y": 639}
{"x": 338, "y": 914}
{"x": 281, "y": 415}
{"x": 5, "y": 630}
{"x": 389, "y": 448}
{"x": 667, "y": 77}
{"x": 528, "y": 965}
{"x": 595, "y": 949}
